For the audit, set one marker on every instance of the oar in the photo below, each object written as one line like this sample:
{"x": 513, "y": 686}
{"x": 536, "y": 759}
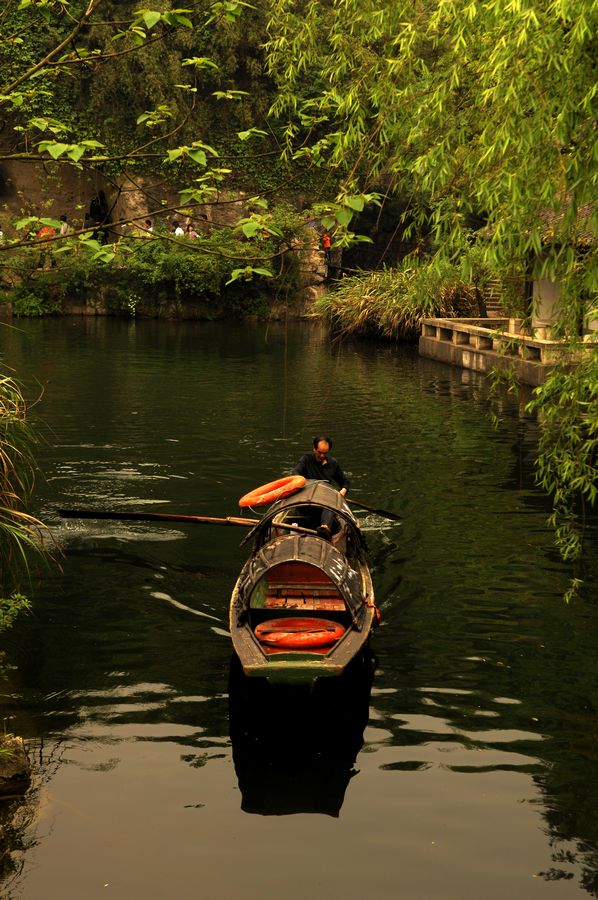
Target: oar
{"x": 169, "y": 517}
{"x": 385, "y": 513}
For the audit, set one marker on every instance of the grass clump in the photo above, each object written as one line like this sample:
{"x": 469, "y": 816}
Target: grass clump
{"x": 391, "y": 303}
{"x": 20, "y": 533}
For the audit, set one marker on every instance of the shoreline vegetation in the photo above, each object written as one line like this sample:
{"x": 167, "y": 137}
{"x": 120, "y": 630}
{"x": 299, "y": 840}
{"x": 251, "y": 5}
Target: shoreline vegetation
{"x": 147, "y": 276}
{"x": 21, "y": 535}
{"x": 218, "y": 272}
{"x": 391, "y": 303}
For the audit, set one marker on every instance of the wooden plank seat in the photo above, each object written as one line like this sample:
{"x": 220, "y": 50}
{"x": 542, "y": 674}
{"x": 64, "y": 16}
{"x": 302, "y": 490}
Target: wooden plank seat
{"x": 297, "y": 585}
{"x": 334, "y": 604}
{"x": 312, "y": 596}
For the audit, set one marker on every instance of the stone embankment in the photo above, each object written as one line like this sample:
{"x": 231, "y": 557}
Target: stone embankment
{"x": 56, "y": 190}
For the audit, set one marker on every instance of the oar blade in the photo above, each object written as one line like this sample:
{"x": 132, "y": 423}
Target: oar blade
{"x": 385, "y": 513}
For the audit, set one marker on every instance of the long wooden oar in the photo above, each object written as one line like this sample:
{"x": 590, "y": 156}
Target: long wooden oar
{"x": 151, "y": 517}
{"x": 385, "y": 513}
{"x": 170, "y": 517}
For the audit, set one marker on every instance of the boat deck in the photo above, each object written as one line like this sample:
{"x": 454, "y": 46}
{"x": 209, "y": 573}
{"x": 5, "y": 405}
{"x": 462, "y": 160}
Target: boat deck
{"x": 308, "y": 598}
{"x": 302, "y": 587}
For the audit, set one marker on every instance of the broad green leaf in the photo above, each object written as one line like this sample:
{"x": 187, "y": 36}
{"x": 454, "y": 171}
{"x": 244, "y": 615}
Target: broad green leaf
{"x": 250, "y": 229}
{"x": 245, "y": 135}
{"x": 247, "y": 273}
{"x": 54, "y": 148}
{"x": 343, "y": 217}
{"x": 229, "y": 95}
{"x": 20, "y": 224}
{"x": 76, "y": 152}
{"x": 206, "y": 147}
{"x": 181, "y": 20}
{"x": 105, "y": 256}
{"x": 200, "y": 62}
{"x": 151, "y": 18}
{"x": 198, "y": 156}
{"x": 356, "y": 203}
{"x": 39, "y": 123}
{"x": 238, "y": 273}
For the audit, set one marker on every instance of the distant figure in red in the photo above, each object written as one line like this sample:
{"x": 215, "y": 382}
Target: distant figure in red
{"x": 45, "y": 231}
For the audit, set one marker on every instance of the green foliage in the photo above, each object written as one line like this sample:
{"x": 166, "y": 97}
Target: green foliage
{"x": 112, "y": 85}
{"x": 20, "y": 533}
{"x": 392, "y": 302}
{"x": 158, "y": 275}
{"x": 11, "y": 607}
{"x": 33, "y": 298}
{"x": 469, "y": 108}
{"x": 472, "y": 109}
{"x": 188, "y": 271}
{"x": 176, "y": 75}
{"x": 567, "y": 467}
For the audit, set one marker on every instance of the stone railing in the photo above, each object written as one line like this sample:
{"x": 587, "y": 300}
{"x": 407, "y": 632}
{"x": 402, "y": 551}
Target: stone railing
{"x": 482, "y": 344}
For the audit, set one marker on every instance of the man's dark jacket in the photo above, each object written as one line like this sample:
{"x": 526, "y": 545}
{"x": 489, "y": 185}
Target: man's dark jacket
{"x": 309, "y": 467}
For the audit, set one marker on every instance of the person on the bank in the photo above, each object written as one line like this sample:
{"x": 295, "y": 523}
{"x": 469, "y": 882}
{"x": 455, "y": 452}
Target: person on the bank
{"x": 320, "y": 466}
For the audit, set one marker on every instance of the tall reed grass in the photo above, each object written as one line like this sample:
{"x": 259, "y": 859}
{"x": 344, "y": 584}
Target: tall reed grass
{"x": 20, "y": 533}
{"x": 392, "y": 302}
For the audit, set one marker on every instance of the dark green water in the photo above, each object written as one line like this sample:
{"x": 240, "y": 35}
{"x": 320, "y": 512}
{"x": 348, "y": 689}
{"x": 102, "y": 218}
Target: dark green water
{"x": 475, "y": 772}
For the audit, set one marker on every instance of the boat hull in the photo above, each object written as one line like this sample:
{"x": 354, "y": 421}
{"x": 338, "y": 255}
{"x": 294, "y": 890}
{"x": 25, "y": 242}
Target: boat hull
{"x": 298, "y": 666}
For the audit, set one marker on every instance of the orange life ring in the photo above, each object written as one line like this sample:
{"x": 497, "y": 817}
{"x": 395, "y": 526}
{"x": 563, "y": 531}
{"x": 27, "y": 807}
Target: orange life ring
{"x": 298, "y": 633}
{"x": 272, "y": 491}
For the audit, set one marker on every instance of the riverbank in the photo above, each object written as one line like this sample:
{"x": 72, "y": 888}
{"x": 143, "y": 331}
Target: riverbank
{"x": 217, "y": 274}
{"x": 194, "y": 311}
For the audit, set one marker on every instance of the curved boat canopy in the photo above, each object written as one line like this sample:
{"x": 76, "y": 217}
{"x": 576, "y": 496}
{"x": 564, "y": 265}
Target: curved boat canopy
{"x": 315, "y": 494}
{"x": 314, "y": 560}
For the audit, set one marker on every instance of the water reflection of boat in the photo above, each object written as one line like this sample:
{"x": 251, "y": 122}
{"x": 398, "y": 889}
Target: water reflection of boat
{"x": 303, "y": 606}
{"x": 294, "y": 748}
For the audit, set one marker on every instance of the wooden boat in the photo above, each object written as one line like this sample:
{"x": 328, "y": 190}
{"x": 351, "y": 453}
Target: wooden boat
{"x": 303, "y": 605}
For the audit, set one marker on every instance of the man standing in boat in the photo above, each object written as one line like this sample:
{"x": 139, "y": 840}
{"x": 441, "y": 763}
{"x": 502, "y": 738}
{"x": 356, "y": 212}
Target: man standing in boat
{"x": 319, "y": 466}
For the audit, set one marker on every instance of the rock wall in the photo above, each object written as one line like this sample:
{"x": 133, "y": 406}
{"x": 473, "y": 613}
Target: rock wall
{"x": 54, "y": 189}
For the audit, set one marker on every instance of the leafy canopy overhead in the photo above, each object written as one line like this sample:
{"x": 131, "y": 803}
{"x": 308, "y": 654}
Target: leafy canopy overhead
{"x": 485, "y": 108}
{"x": 119, "y": 88}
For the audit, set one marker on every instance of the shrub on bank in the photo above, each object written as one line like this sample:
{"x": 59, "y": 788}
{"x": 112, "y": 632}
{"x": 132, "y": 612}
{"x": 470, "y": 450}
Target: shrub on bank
{"x": 156, "y": 275}
{"x": 20, "y": 533}
{"x": 391, "y": 303}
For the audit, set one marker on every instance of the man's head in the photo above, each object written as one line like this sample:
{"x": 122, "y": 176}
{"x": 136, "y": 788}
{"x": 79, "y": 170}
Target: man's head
{"x": 322, "y": 445}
